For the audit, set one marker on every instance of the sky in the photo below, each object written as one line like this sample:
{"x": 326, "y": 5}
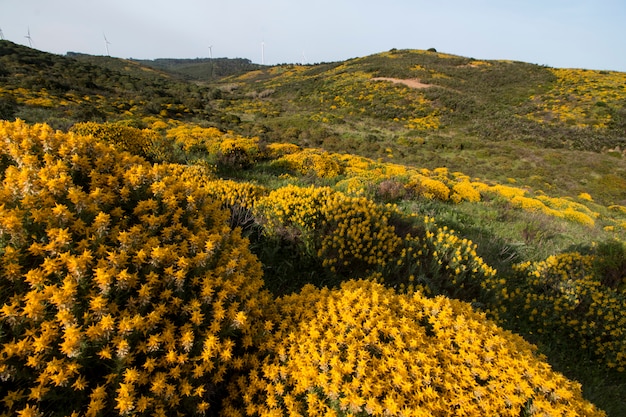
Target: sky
{"x": 588, "y": 34}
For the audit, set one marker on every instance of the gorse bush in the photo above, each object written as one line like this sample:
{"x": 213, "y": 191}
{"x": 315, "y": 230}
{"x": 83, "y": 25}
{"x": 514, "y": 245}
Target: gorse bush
{"x": 353, "y": 236}
{"x": 581, "y": 297}
{"x": 123, "y": 290}
{"x": 126, "y": 138}
{"x": 226, "y": 149}
{"x": 312, "y": 162}
{"x": 445, "y": 263}
{"x": 345, "y": 233}
{"x": 556, "y": 207}
{"x": 364, "y": 350}
{"x": 429, "y": 187}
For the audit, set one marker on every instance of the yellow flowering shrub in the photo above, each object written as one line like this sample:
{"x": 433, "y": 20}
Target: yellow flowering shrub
{"x": 346, "y": 232}
{"x": 276, "y": 150}
{"x": 194, "y": 138}
{"x": 364, "y": 350}
{"x": 428, "y": 122}
{"x": 578, "y": 217}
{"x": 530, "y": 204}
{"x": 227, "y": 150}
{"x": 570, "y": 210}
{"x": 354, "y": 186}
{"x": 436, "y": 260}
{"x": 239, "y": 150}
{"x": 507, "y": 192}
{"x": 233, "y": 193}
{"x": 557, "y": 207}
{"x": 617, "y": 208}
{"x": 428, "y": 187}
{"x": 127, "y": 138}
{"x": 295, "y": 209}
{"x": 310, "y": 161}
{"x": 464, "y": 191}
{"x": 356, "y": 234}
{"x": 123, "y": 291}
{"x": 569, "y": 294}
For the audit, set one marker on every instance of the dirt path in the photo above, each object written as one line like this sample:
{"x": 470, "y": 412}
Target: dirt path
{"x": 410, "y": 82}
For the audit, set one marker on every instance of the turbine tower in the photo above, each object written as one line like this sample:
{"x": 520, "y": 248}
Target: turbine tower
{"x": 106, "y": 44}
{"x": 263, "y": 53}
{"x": 1, "y": 35}
{"x": 30, "y": 39}
{"x": 211, "y": 51}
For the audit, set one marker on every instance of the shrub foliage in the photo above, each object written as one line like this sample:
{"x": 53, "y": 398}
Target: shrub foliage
{"x": 364, "y": 350}
{"x": 123, "y": 289}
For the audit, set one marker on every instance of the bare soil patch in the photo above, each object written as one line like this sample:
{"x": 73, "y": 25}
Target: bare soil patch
{"x": 409, "y": 82}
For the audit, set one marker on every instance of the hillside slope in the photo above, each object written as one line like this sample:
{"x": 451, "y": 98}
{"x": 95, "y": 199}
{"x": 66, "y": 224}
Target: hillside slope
{"x": 62, "y": 90}
{"x": 489, "y": 119}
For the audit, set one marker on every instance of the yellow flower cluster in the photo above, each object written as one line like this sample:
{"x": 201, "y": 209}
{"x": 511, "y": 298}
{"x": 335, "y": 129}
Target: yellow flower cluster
{"x": 581, "y": 98}
{"x": 249, "y": 146}
{"x": 355, "y": 231}
{"x": 235, "y": 193}
{"x": 570, "y": 210}
{"x": 312, "y": 162}
{"x": 363, "y": 350}
{"x": 429, "y": 188}
{"x": 354, "y": 235}
{"x": 465, "y": 191}
{"x": 127, "y": 138}
{"x": 346, "y": 232}
{"x": 429, "y": 122}
{"x": 564, "y": 294}
{"x": 362, "y": 172}
{"x": 111, "y": 105}
{"x": 227, "y": 149}
{"x": 557, "y": 207}
{"x": 367, "y": 169}
{"x": 297, "y": 209}
{"x": 123, "y": 290}
{"x": 277, "y": 150}
{"x": 437, "y": 261}
{"x": 195, "y": 138}
{"x": 41, "y": 98}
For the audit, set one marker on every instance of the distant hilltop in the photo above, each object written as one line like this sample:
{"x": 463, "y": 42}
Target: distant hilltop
{"x": 201, "y": 68}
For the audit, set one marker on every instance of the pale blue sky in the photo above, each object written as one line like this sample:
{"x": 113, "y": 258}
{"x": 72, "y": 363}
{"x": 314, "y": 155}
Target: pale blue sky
{"x": 558, "y": 33}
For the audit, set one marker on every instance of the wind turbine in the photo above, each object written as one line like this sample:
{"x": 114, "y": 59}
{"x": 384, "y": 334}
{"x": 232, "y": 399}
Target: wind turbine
{"x": 30, "y": 39}
{"x": 211, "y": 51}
{"x": 263, "y": 53}
{"x": 303, "y": 58}
{"x": 1, "y": 35}
{"x": 106, "y": 43}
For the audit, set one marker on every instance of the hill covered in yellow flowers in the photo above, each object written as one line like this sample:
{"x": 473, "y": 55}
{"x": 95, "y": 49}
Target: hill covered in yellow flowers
{"x": 311, "y": 240}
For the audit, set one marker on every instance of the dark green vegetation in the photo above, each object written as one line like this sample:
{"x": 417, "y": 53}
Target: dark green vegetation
{"x": 38, "y": 87}
{"x": 480, "y": 118}
{"x": 201, "y": 69}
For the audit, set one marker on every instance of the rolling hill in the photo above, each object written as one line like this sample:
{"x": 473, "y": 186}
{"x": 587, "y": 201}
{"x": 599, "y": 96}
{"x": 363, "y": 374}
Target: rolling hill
{"x": 489, "y": 119}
